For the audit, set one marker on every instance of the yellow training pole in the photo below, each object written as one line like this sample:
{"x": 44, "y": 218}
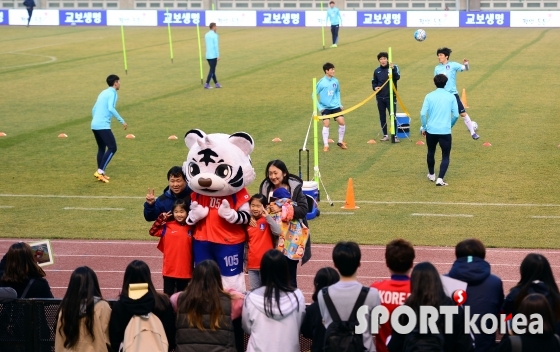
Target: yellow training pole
{"x": 169, "y": 33}
{"x": 315, "y": 138}
{"x": 323, "y": 27}
{"x": 391, "y": 109}
{"x": 199, "y": 53}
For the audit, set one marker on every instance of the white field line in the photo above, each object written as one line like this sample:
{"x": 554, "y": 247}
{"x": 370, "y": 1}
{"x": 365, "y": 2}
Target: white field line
{"x": 52, "y": 59}
{"x": 434, "y": 263}
{"x": 111, "y": 256}
{"x": 545, "y": 217}
{"x": 78, "y": 208}
{"x": 445, "y": 215}
{"x": 6, "y": 206}
{"x": 336, "y": 213}
{"x": 448, "y": 249}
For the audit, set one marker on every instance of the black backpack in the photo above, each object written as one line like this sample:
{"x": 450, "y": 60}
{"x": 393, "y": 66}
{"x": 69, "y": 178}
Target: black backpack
{"x": 416, "y": 342}
{"x": 340, "y": 335}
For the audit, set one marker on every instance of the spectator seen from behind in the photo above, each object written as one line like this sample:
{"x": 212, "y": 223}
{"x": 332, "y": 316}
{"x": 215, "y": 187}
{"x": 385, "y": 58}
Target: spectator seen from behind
{"x": 312, "y": 326}
{"x": 176, "y": 189}
{"x": 273, "y": 313}
{"x": 138, "y": 272}
{"x": 399, "y": 258}
{"x": 534, "y": 303}
{"x": 485, "y": 292}
{"x": 83, "y": 315}
{"x": 23, "y": 274}
{"x": 344, "y": 294}
{"x": 205, "y": 312}
{"x": 426, "y": 289}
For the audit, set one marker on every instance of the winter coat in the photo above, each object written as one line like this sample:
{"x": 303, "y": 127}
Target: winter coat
{"x": 192, "y": 339}
{"x": 164, "y": 203}
{"x": 39, "y": 288}
{"x": 485, "y": 294}
{"x": 125, "y": 308}
{"x": 282, "y": 329}
{"x": 300, "y": 208}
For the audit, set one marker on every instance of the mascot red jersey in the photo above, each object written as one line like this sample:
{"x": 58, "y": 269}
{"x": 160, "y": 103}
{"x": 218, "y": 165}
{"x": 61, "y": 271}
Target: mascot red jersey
{"x": 218, "y": 168}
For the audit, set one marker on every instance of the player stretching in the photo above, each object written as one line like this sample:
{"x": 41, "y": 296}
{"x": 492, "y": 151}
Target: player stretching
{"x": 328, "y": 89}
{"x": 450, "y": 69}
{"x": 103, "y": 111}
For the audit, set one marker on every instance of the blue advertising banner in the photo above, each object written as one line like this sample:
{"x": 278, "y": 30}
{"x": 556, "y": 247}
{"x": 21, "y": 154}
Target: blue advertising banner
{"x": 82, "y": 17}
{"x": 181, "y": 18}
{"x": 484, "y": 19}
{"x": 382, "y": 19}
{"x": 4, "y": 19}
{"x": 281, "y": 18}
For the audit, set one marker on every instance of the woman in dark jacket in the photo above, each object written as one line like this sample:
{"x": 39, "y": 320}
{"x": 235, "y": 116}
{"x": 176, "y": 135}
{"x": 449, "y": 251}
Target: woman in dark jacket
{"x": 22, "y": 270}
{"x": 277, "y": 175}
{"x": 426, "y": 289}
{"x": 546, "y": 341}
{"x": 204, "y": 313}
{"x": 312, "y": 326}
{"x": 125, "y": 308}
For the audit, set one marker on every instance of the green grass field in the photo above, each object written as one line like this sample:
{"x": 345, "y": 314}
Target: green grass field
{"x": 50, "y": 78}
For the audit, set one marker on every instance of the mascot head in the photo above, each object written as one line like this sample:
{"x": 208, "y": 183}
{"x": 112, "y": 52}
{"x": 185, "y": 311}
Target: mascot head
{"x": 218, "y": 164}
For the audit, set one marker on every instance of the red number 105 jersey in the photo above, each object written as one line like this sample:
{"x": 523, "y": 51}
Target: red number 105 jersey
{"x": 214, "y": 228}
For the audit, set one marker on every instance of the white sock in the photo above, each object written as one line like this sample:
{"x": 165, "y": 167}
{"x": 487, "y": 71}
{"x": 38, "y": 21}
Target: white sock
{"x": 99, "y": 171}
{"x": 341, "y": 130}
{"x": 468, "y": 123}
{"x": 325, "y": 136}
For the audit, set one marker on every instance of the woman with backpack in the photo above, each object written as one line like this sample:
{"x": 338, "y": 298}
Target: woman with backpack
{"x": 23, "y": 274}
{"x": 312, "y": 326}
{"x": 152, "y": 302}
{"x": 548, "y": 341}
{"x": 273, "y": 313}
{"x": 83, "y": 315}
{"x": 536, "y": 277}
{"x": 205, "y": 312}
{"x": 426, "y": 289}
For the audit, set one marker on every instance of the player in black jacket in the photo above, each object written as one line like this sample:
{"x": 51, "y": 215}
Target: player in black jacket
{"x": 380, "y": 76}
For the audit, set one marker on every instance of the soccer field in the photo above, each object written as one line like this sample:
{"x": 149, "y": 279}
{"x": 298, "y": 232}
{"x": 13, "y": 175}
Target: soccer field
{"x": 507, "y": 194}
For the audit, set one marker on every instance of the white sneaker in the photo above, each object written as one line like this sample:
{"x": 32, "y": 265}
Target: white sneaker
{"x": 432, "y": 177}
{"x": 441, "y": 182}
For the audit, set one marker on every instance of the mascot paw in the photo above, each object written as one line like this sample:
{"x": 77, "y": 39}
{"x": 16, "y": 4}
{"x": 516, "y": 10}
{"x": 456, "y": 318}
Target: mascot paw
{"x": 197, "y": 213}
{"x": 226, "y": 212}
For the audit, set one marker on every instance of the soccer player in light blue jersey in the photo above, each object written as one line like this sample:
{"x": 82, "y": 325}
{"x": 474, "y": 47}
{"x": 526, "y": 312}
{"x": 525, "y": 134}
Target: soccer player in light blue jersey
{"x": 212, "y": 55}
{"x": 333, "y": 15}
{"x": 439, "y": 114}
{"x": 328, "y": 90}
{"x": 450, "y": 69}
{"x": 103, "y": 111}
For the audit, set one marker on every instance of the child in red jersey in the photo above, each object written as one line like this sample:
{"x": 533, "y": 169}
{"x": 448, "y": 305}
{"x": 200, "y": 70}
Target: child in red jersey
{"x": 176, "y": 245}
{"x": 260, "y": 237}
{"x": 399, "y": 257}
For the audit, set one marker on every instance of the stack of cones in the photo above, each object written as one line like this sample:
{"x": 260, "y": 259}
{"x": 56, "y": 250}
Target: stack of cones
{"x": 350, "y": 202}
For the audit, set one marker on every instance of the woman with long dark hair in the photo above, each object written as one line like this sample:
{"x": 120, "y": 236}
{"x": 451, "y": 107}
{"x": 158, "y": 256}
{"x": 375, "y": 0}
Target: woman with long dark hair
{"x": 536, "y": 277}
{"x": 277, "y": 175}
{"x": 205, "y": 312}
{"x": 534, "y": 303}
{"x": 23, "y": 274}
{"x": 83, "y": 315}
{"x": 426, "y": 289}
{"x": 273, "y": 313}
{"x": 138, "y": 272}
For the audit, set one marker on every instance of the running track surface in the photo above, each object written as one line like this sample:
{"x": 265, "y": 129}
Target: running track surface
{"x": 110, "y": 258}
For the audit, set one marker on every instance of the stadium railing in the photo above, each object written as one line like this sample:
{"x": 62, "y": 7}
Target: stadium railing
{"x": 27, "y": 325}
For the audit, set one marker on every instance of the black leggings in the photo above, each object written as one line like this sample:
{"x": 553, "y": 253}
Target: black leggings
{"x": 292, "y": 269}
{"x": 334, "y": 32}
{"x": 29, "y": 13}
{"x": 383, "y": 105}
{"x": 444, "y": 141}
{"x": 106, "y": 147}
{"x": 170, "y": 283}
{"x": 212, "y": 73}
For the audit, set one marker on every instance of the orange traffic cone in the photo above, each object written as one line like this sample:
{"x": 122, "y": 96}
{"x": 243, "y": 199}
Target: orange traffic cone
{"x": 419, "y": 143}
{"x": 464, "y": 98}
{"x": 371, "y": 141}
{"x": 330, "y": 141}
{"x": 486, "y": 144}
{"x": 130, "y": 136}
{"x": 277, "y": 140}
{"x": 62, "y": 135}
{"x": 173, "y": 137}
{"x": 350, "y": 202}
{"x": 2, "y": 134}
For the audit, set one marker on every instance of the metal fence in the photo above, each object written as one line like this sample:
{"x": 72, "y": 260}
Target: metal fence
{"x": 27, "y": 325}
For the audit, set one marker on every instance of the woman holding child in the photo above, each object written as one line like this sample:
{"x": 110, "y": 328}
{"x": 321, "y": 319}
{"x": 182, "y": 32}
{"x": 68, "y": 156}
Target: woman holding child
{"x": 278, "y": 176}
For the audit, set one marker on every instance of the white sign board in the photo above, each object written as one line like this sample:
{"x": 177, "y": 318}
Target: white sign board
{"x": 40, "y": 17}
{"x": 534, "y": 19}
{"x": 232, "y": 18}
{"x": 424, "y": 19}
{"x": 319, "y": 19}
{"x": 132, "y": 17}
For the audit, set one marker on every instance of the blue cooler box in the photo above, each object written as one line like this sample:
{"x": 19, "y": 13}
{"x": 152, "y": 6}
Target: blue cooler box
{"x": 311, "y": 191}
{"x": 403, "y": 125}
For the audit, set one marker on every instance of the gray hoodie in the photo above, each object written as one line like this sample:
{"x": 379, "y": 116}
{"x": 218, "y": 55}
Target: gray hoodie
{"x": 279, "y": 332}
